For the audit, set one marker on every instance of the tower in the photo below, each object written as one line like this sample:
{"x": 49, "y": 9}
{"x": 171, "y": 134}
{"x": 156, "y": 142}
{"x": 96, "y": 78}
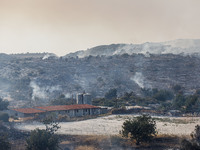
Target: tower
{"x": 87, "y": 98}
{"x": 79, "y": 98}
{"x": 82, "y": 98}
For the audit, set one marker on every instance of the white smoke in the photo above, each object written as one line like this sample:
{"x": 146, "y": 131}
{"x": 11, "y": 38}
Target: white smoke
{"x": 42, "y": 92}
{"x": 181, "y": 46}
{"x": 138, "y": 78}
{"x": 48, "y": 55}
{"x": 67, "y": 95}
{"x": 184, "y": 43}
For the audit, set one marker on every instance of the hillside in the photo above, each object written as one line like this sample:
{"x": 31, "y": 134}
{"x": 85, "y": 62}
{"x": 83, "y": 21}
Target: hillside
{"x": 31, "y": 79}
{"x": 180, "y": 46}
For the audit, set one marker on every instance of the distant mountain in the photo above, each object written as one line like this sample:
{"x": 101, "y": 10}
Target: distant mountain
{"x": 33, "y": 55}
{"x": 180, "y": 46}
{"x": 184, "y": 43}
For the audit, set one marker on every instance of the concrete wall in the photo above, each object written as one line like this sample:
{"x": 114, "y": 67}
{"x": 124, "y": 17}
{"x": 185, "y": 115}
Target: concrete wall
{"x": 95, "y": 111}
{"x": 80, "y": 112}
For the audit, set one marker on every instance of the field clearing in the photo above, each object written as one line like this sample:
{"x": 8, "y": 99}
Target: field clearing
{"x": 111, "y": 125}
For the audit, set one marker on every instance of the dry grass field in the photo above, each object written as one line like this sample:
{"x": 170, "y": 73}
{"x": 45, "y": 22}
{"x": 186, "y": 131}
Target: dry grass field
{"x": 103, "y": 133}
{"x": 111, "y": 125}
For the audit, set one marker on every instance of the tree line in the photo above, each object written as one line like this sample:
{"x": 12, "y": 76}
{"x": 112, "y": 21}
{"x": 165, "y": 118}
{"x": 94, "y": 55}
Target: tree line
{"x": 167, "y": 99}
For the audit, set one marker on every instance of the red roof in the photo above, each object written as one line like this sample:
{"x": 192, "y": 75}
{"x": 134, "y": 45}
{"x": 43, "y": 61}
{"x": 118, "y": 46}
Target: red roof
{"x": 28, "y": 110}
{"x": 54, "y": 108}
{"x": 67, "y": 107}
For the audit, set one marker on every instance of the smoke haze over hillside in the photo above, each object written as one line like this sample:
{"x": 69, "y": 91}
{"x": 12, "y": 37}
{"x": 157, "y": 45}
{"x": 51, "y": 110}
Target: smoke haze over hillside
{"x": 181, "y": 46}
{"x": 66, "y": 26}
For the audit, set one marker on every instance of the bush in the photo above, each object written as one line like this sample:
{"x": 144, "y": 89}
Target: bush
{"x": 45, "y": 139}
{"x": 111, "y": 94}
{"x": 42, "y": 140}
{"x": 196, "y": 134}
{"x": 141, "y": 129}
{"x": 163, "y": 95}
{"x": 4, "y": 143}
{"x": 179, "y": 101}
{"x": 194, "y": 144}
{"x": 187, "y": 145}
{"x": 3, "y": 104}
{"x": 4, "y": 117}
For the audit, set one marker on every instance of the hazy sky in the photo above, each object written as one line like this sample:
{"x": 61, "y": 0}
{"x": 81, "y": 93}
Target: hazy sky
{"x": 63, "y": 26}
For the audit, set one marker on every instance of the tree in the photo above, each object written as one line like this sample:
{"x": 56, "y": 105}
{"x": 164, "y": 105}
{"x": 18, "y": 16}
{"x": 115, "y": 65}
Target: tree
{"x": 177, "y": 88}
{"x": 197, "y": 92}
{"x": 112, "y": 93}
{"x": 163, "y": 95}
{"x": 4, "y": 117}
{"x": 187, "y": 145}
{"x": 196, "y": 134}
{"x": 179, "y": 101}
{"x": 141, "y": 129}
{"x": 4, "y": 143}
{"x": 191, "y": 103}
{"x": 3, "y": 104}
{"x": 193, "y": 144}
{"x": 44, "y": 139}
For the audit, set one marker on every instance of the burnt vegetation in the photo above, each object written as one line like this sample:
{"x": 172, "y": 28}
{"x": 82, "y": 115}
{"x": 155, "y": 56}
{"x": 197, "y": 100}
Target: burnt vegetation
{"x": 160, "y": 100}
{"x": 95, "y": 74}
{"x": 169, "y": 82}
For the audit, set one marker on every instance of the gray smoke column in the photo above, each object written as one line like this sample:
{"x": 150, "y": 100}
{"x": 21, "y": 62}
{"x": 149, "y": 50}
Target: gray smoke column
{"x": 42, "y": 92}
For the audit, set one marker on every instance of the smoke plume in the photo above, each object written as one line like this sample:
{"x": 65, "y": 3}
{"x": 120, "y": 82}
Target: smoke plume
{"x": 42, "y": 92}
{"x": 138, "y": 78}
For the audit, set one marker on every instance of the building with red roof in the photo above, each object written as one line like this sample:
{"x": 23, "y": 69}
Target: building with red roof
{"x": 70, "y": 110}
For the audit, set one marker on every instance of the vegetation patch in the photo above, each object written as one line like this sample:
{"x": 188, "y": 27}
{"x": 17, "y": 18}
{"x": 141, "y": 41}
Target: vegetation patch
{"x": 176, "y": 121}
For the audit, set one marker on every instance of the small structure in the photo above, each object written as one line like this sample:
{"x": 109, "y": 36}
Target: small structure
{"x": 79, "y": 98}
{"x": 82, "y": 98}
{"x": 87, "y": 98}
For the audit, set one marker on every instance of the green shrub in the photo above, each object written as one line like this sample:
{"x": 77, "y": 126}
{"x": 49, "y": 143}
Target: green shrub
{"x": 141, "y": 129}
{"x": 3, "y": 104}
{"x": 4, "y": 117}
{"x": 4, "y": 143}
{"x": 42, "y": 140}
